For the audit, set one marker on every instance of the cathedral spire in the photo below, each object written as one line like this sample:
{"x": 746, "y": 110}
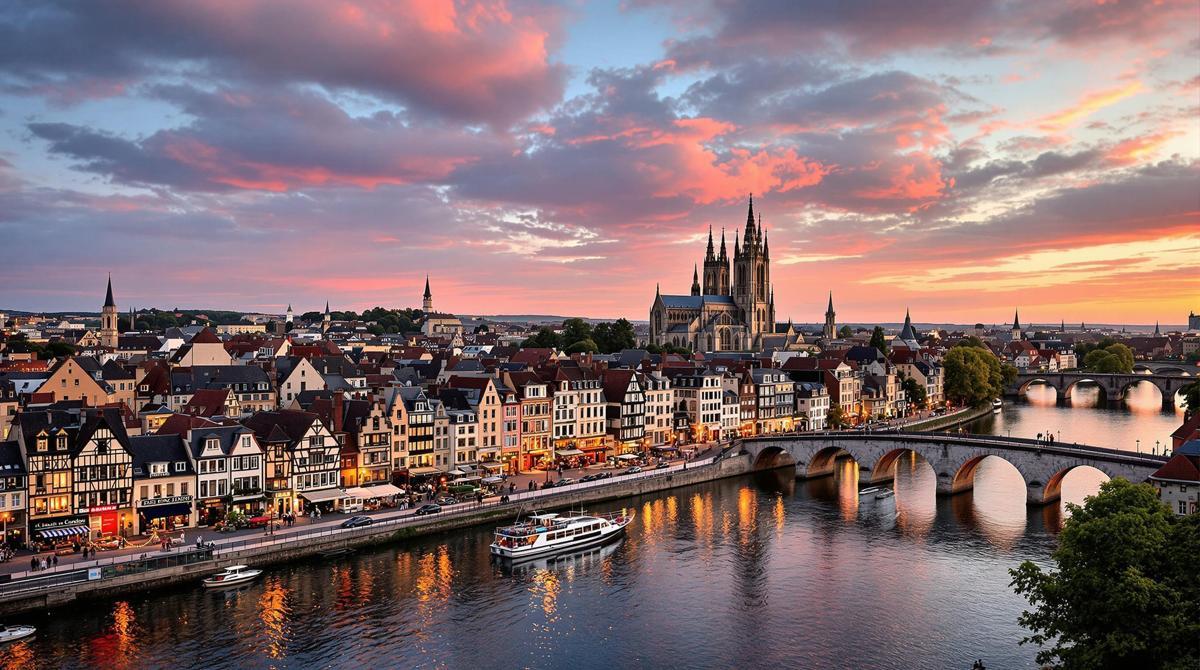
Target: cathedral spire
{"x": 829, "y": 309}
{"x": 750, "y": 234}
{"x": 737, "y": 249}
{"x": 708, "y": 254}
{"x": 766, "y": 247}
{"x": 1157, "y": 332}
{"x": 723, "y": 256}
{"x": 696, "y": 280}
{"x": 108, "y": 298}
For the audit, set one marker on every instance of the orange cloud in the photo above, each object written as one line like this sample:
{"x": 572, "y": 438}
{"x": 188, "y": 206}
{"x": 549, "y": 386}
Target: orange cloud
{"x": 1088, "y": 105}
{"x": 1137, "y": 149}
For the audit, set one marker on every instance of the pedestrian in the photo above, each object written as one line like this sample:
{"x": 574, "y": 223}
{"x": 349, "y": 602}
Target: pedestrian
{"x": 56, "y": 560}
{"x": 33, "y": 562}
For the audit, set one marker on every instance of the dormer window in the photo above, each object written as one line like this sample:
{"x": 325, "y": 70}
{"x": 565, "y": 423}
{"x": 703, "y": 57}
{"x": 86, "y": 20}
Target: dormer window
{"x": 62, "y": 442}
{"x": 158, "y": 469}
{"x": 212, "y": 443}
{"x": 42, "y": 443}
{"x": 180, "y": 466}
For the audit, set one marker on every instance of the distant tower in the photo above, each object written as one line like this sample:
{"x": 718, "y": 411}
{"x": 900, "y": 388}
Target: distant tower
{"x": 1157, "y": 332}
{"x": 752, "y": 280}
{"x": 326, "y": 318}
{"x": 1016, "y": 329}
{"x": 290, "y": 318}
{"x": 108, "y": 319}
{"x": 830, "y": 331}
{"x": 696, "y": 279}
{"x": 427, "y": 299}
{"x": 716, "y": 268}
{"x": 132, "y": 320}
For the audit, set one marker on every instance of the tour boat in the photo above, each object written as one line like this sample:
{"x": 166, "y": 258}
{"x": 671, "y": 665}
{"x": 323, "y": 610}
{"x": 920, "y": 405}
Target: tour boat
{"x": 14, "y": 633}
{"x": 996, "y": 406}
{"x": 232, "y": 576}
{"x": 875, "y": 494}
{"x": 583, "y": 557}
{"x": 544, "y": 534}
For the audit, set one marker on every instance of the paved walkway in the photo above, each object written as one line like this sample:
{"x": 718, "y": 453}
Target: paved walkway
{"x": 19, "y": 566}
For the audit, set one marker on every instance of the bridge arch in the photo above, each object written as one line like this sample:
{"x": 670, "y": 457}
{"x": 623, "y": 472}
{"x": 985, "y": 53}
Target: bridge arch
{"x": 1024, "y": 387}
{"x": 1165, "y": 396}
{"x": 1101, "y": 401}
{"x": 773, "y": 457}
{"x": 824, "y": 461}
{"x": 884, "y": 468}
{"x": 1053, "y": 490}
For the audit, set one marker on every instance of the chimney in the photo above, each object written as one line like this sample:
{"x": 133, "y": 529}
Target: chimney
{"x": 339, "y": 403}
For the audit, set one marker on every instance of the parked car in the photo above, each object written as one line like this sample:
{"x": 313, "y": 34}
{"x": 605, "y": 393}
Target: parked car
{"x": 447, "y": 500}
{"x": 429, "y": 508}
{"x": 566, "y": 481}
{"x": 357, "y": 522}
{"x": 662, "y": 465}
{"x": 634, "y": 470}
{"x": 592, "y": 477}
{"x": 548, "y": 485}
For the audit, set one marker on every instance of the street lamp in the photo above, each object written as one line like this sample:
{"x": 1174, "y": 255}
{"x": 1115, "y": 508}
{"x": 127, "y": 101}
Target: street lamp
{"x": 1156, "y": 443}
{"x": 1138, "y": 445}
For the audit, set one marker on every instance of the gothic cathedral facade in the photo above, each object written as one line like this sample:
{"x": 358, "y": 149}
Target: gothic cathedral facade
{"x": 728, "y": 312}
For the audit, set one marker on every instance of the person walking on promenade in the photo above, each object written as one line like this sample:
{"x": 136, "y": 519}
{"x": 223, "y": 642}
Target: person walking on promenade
{"x": 33, "y": 564}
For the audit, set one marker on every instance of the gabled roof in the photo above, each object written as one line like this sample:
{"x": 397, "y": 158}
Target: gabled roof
{"x": 148, "y": 449}
{"x": 1181, "y": 468}
{"x": 226, "y": 436}
{"x": 293, "y": 424}
{"x": 109, "y": 418}
{"x": 206, "y": 336}
{"x": 12, "y": 462}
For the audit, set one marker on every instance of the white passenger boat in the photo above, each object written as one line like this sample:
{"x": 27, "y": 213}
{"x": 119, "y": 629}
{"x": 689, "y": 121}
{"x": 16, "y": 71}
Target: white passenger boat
{"x": 232, "y": 576}
{"x": 876, "y": 494}
{"x": 14, "y": 633}
{"x": 997, "y": 405}
{"x": 545, "y": 534}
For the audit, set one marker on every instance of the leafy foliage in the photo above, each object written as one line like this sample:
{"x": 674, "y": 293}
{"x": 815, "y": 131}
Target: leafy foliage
{"x": 973, "y": 375}
{"x": 578, "y": 336}
{"x": 1124, "y": 594}
{"x": 1191, "y": 398}
{"x": 879, "y": 340}
{"x": 845, "y": 332}
{"x": 1115, "y": 358}
{"x": 914, "y": 391}
{"x": 836, "y": 418}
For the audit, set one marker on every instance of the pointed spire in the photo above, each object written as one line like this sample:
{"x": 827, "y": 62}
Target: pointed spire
{"x": 427, "y": 292}
{"x": 766, "y": 247}
{"x": 907, "y": 318}
{"x": 656, "y": 288}
{"x": 750, "y": 235}
{"x": 327, "y": 308}
{"x": 723, "y": 256}
{"x": 1016, "y": 320}
{"x": 708, "y": 254}
{"x": 289, "y": 306}
{"x": 737, "y": 249}
{"x": 829, "y": 309}
{"x": 695, "y": 280}
{"x": 108, "y": 298}
{"x": 1157, "y": 333}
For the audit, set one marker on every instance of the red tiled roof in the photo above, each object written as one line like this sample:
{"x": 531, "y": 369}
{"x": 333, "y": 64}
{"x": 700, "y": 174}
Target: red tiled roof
{"x": 206, "y": 336}
{"x": 1181, "y": 468}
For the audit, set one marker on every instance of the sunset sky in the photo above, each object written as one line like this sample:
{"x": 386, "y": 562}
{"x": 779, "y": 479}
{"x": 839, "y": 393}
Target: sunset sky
{"x": 960, "y": 158}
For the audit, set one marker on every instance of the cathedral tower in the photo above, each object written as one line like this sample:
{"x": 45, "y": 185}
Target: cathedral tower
{"x": 752, "y": 279}
{"x": 427, "y": 299}
{"x": 830, "y": 330}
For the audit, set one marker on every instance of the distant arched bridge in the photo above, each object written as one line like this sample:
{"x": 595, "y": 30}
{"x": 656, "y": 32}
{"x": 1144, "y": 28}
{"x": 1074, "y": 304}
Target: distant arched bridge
{"x": 954, "y": 458}
{"x": 1115, "y": 385}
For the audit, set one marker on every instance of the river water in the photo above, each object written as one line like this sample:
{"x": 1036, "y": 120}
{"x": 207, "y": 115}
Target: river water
{"x": 757, "y": 571}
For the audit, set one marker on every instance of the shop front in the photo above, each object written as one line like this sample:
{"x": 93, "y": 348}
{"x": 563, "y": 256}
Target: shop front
{"x": 164, "y": 514}
{"x": 210, "y": 510}
{"x": 538, "y": 459}
{"x": 250, "y": 505}
{"x": 59, "y": 531}
{"x": 12, "y": 528}
{"x": 593, "y": 448}
{"x": 108, "y": 520}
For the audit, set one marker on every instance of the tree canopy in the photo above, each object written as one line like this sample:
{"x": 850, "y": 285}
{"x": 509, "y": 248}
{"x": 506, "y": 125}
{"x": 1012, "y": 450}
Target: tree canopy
{"x": 1114, "y": 358}
{"x": 845, "y": 332}
{"x": 1123, "y": 593}
{"x": 580, "y": 336}
{"x": 973, "y": 375}
{"x": 914, "y": 391}
{"x": 1191, "y": 398}
{"x": 835, "y": 418}
{"x": 879, "y": 340}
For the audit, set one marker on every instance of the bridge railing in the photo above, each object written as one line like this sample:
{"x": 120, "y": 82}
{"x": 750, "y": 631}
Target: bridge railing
{"x": 1024, "y": 444}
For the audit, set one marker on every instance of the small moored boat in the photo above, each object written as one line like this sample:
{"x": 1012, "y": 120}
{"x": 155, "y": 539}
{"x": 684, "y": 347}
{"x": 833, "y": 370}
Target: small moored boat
{"x": 14, "y": 633}
{"x": 997, "y": 405}
{"x": 232, "y": 576}
{"x": 546, "y": 534}
{"x": 875, "y": 494}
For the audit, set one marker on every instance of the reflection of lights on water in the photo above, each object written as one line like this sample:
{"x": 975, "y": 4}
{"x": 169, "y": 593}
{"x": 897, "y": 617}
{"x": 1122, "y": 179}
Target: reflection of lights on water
{"x": 546, "y": 586}
{"x": 779, "y": 514}
{"x": 1078, "y": 484}
{"x": 747, "y": 512}
{"x": 845, "y": 474}
{"x": 916, "y": 494}
{"x": 272, "y": 611}
{"x": 19, "y": 655}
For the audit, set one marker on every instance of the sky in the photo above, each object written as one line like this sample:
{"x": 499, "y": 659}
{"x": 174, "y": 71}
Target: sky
{"x": 962, "y": 159}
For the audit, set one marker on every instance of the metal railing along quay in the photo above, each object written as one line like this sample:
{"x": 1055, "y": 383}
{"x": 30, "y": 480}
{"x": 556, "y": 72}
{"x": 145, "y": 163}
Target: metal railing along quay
{"x": 116, "y": 566}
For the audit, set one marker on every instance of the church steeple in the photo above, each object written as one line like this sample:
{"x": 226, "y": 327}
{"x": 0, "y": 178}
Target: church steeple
{"x": 830, "y": 329}
{"x": 748, "y": 242}
{"x": 1016, "y": 327}
{"x": 708, "y": 254}
{"x": 108, "y": 298}
{"x": 695, "y": 281}
{"x": 427, "y": 298}
{"x": 1157, "y": 332}
{"x": 109, "y": 325}
{"x": 723, "y": 256}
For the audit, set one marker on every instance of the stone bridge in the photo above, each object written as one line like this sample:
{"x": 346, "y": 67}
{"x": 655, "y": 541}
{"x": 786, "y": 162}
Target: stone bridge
{"x": 1114, "y": 385}
{"x": 954, "y": 458}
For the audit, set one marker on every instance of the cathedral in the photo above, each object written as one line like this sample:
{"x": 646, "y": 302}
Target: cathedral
{"x": 726, "y": 313}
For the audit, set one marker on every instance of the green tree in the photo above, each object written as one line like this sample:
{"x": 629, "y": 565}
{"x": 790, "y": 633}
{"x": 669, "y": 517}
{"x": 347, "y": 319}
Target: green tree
{"x": 585, "y": 345}
{"x": 575, "y": 330}
{"x": 1115, "y": 358}
{"x": 845, "y": 332}
{"x": 1124, "y": 592}
{"x": 545, "y": 338}
{"x": 1191, "y": 398}
{"x": 835, "y": 418}
{"x": 622, "y": 336}
{"x": 879, "y": 339}
{"x": 972, "y": 375}
{"x": 914, "y": 391}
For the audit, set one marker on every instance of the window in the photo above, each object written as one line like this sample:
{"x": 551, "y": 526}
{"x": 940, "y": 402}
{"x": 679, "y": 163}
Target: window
{"x": 180, "y": 466}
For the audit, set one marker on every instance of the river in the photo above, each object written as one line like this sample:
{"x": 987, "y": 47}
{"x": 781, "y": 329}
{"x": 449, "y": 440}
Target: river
{"x": 757, "y": 571}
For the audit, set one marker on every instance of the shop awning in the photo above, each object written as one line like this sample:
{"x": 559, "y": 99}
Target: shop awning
{"x": 160, "y": 511}
{"x": 493, "y": 480}
{"x": 66, "y": 531}
{"x": 248, "y": 497}
{"x": 568, "y": 452}
{"x": 465, "y": 480}
{"x": 666, "y": 448}
{"x": 323, "y": 495}
{"x": 426, "y": 470}
{"x": 369, "y": 492}
{"x": 458, "y": 472}
{"x": 628, "y": 457}
{"x": 491, "y": 465}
